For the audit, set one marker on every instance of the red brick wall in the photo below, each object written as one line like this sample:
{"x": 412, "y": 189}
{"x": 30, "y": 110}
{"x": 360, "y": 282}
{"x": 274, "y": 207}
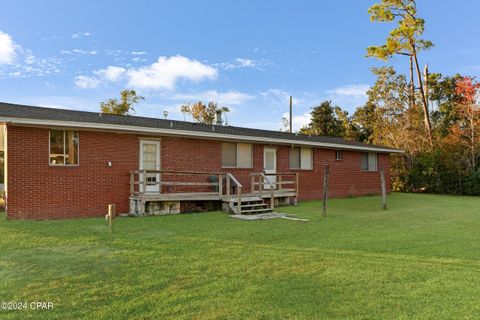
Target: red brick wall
{"x": 39, "y": 191}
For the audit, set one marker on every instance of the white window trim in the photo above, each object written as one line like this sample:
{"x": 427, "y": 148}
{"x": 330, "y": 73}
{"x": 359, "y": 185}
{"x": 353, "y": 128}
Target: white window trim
{"x": 49, "y": 149}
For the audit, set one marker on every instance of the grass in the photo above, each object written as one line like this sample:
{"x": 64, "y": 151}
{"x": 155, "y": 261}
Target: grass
{"x": 419, "y": 259}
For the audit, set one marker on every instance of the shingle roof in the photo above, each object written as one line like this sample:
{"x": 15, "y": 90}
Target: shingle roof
{"x": 8, "y": 110}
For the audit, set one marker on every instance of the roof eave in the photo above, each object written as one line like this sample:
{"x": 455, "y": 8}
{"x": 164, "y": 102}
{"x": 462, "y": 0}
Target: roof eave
{"x": 187, "y": 133}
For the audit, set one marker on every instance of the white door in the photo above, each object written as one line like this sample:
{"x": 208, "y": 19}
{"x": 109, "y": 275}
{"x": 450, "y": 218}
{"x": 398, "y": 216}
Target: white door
{"x": 270, "y": 165}
{"x": 150, "y": 160}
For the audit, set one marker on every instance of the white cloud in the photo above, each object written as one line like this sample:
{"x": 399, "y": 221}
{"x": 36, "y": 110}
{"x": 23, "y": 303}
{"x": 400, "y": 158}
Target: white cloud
{"x": 80, "y": 35}
{"x": 350, "y": 96}
{"x": 298, "y": 121}
{"x": 240, "y": 63}
{"x": 280, "y": 97}
{"x": 7, "y": 49}
{"x": 164, "y": 73}
{"x": 357, "y": 91}
{"x": 138, "y": 53}
{"x": 79, "y": 52}
{"x": 111, "y": 73}
{"x": 101, "y": 76}
{"x": 228, "y": 98}
{"x": 85, "y": 82}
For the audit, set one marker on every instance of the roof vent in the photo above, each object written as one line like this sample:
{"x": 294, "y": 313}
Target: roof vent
{"x": 171, "y": 124}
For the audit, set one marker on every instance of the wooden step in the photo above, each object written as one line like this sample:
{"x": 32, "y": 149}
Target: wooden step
{"x": 253, "y": 211}
{"x": 254, "y": 205}
{"x": 246, "y": 199}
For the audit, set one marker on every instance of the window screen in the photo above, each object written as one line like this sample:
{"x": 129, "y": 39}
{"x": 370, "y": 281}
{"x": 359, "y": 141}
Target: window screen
{"x": 244, "y": 155}
{"x": 369, "y": 161}
{"x": 229, "y": 154}
{"x": 306, "y": 158}
{"x": 301, "y": 158}
{"x": 294, "y": 158}
{"x": 338, "y": 155}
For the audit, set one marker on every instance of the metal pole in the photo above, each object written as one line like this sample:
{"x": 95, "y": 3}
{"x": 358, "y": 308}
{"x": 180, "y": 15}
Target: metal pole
{"x": 291, "y": 112}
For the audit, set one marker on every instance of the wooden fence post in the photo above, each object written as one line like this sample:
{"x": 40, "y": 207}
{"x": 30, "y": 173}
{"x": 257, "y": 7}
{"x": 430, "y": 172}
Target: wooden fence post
{"x": 384, "y": 190}
{"x": 110, "y": 216}
{"x": 325, "y": 190}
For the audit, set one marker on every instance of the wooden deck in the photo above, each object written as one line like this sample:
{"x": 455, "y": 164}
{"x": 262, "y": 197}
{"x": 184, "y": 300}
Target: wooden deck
{"x": 208, "y": 196}
{"x": 177, "y": 186}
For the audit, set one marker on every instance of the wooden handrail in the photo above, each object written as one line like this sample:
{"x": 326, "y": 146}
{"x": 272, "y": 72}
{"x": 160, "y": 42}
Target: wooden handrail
{"x": 141, "y": 180}
{"x": 175, "y": 172}
{"x": 274, "y": 174}
{"x": 232, "y": 177}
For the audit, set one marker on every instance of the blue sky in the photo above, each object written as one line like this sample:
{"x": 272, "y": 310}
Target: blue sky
{"x": 248, "y": 55}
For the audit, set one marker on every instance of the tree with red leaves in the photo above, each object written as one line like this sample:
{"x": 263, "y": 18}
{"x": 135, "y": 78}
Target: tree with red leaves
{"x": 465, "y": 134}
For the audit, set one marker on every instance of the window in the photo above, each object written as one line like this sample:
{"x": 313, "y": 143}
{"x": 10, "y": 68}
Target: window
{"x": 338, "y": 154}
{"x": 237, "y": 155}
{"x": 301, "y": 158}
{"x": 369, "y": 161}
{"x": 63, "y": 147}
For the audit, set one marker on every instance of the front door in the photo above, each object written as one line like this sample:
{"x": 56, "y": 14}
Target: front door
{"x": 270, "y": 165}
{"x": 150, "y": 160}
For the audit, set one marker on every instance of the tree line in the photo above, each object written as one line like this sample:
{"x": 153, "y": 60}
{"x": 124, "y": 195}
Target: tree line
{"x": 434, "y": 119}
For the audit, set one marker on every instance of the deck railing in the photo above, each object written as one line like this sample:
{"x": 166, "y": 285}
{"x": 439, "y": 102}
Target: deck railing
{"x": 225, "y": 185}
{"x": 169, "y": 181}
{"x": 275, "y": 182}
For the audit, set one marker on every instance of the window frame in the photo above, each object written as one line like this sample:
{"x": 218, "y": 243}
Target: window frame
{"x": 236, "y": 155}
{"x": 337, "y": 153}
{"x": 368, "y": 162}
{"x": 300, "y": 158}
{"x": 50, "y": 164}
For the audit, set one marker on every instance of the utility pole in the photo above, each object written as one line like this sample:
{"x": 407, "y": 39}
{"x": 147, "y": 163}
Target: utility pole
{"x": 291, "y": 111}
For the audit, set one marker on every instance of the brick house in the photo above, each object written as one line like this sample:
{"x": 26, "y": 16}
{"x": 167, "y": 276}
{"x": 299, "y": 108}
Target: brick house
{"x": 64, "y": 163}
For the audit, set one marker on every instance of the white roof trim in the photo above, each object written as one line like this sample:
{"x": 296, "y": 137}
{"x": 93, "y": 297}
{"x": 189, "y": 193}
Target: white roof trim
{"x": 187, "y": 133}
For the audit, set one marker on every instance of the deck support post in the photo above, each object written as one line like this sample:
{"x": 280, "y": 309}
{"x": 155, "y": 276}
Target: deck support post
{"x": 272, "y": 198}
{"x": 252, "y": 186}
{"x": 220, "y": 185}
{"x": 260, "y": 185}
{"x": 132, "y": 183}
{"x": 239, "y": 200}
{"x": 228, "y": 187}
{"x": 297, "y": 188}
{"x": 144, "y": 181}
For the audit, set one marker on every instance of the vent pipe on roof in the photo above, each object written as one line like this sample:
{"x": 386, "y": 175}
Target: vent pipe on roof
{"x": 218, "y": 116}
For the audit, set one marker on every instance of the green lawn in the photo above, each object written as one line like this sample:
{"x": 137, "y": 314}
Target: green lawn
{"x": 419, "y": 259}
